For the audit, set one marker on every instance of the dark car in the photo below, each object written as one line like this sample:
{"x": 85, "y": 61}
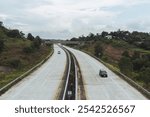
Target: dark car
{"x": 58, "y": 52}
{"x": 103, "y": 73}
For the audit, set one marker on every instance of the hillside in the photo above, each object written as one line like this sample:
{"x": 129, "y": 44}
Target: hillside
{"x": 129, "y": 55}
{"x": 18, "y": 54}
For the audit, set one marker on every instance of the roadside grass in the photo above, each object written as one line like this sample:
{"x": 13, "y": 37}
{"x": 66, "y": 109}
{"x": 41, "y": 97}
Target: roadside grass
{"x": 10, "y": 77}
{"x": 15, "y": 42}
{"x": 141, "y": 50}
{"x": 112, "y": 67}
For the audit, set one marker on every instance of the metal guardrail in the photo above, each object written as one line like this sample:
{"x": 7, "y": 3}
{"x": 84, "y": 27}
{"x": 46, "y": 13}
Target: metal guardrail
{"x": 76, "y": 79}
{"x": 9, "y": 85}
{"x": 69, "y": 66}
{"x": 71, "y": 60}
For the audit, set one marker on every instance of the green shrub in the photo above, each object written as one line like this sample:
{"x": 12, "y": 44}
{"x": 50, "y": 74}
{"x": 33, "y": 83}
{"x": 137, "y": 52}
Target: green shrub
{"x": 105, "y": 58}
{"x": 98, "y": 50}
{"x": 36, "y": 43}
{"x": 28, "y": 50}
{"x": 119, "y": 43}
{"x": 14, "y": 33}
{"x": 48, "y": 44}
{"x": 2, "y": 75}
{"x": 15, "y": 63}
{"x": 144, "y": 75}
{"x": 125, "y": 54}
{"x": 126, "y": 66}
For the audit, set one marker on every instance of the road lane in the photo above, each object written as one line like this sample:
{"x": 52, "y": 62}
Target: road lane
{"x": 97, "y": 88}
{"x": 43, "y": 83}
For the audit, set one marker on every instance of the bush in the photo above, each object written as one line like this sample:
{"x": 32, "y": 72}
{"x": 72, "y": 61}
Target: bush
{"x": 136, "y": 55}
{"x": 105, "y": 58}
{"x": 98, "y": 50}
{"x": 14, "y": 33}
{"x": 30, "y": 37}
{"x": 15, "y": 63}
{"x": 137, "y": 64}
{"x": 126, "y": 66}
{"x": 36, "y": 42}
{"x": 2, "y": 75}
{"x": 145, "y": 75}
{"x": 28, "y": 50}
{"x": 35, "y": 45}
{"x": 48, "y": 44}
{"x": 120, "y": 43}
{"x": 125, "y": 54}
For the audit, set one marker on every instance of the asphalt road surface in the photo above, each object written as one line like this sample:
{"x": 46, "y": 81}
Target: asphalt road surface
{"x": 98, "y": 88}
{"x": 43, "y": 83}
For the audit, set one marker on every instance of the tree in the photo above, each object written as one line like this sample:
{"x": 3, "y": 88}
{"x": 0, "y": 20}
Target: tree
{"x": 73, "y": 39}
{"x": 98, "y": 50}
{"x": 30, "y": 37}
{"x": 145, "y": 44}
{"x": 39, "y": 39}
{"x": 22, "y": 34}
{"x": 136, "y": 55}
{"x": 37, "y": 42}
{"x": 14, "y": 33}
{"x": 125, "y": 65}
{"x": 91, "y": 35}
{"x": 145, "y": 75}
{"x": 138, "y": 64}
{"x": 104, "y": 34}
{"x": 125, "y": 54}
{"x": 1, "y": 23}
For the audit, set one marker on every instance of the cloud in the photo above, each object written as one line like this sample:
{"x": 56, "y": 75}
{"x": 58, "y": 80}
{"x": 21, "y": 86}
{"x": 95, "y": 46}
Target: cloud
{"x": 3, "y": 17}
{"x": 68, "y": 18}
{"x": 74, "y": 19}
{"x": 139, "y": 24}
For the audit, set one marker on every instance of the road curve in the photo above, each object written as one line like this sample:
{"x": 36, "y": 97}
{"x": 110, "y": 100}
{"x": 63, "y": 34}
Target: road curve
{"x": 43, "y": 83}
{"x": 97, "y": 88}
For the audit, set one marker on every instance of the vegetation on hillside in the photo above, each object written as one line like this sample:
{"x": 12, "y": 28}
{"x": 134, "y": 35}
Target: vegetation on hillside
{"x": 18, "y": 54}
{"x": 127, "y": 51}
{"x": 139, "y": 39}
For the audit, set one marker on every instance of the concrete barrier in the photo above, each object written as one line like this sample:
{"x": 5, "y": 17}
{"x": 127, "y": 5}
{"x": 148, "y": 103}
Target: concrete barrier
{"x": 16, "y": 80}
{"x": 145, "y": 92}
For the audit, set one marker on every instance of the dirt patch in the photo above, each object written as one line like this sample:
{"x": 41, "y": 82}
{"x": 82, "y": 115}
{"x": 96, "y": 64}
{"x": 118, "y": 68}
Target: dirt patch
{"x": 114, "y": 53}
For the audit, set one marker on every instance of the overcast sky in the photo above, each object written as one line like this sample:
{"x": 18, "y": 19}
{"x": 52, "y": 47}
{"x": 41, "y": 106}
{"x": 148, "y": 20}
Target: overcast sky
{"x": 72, "y": 18}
